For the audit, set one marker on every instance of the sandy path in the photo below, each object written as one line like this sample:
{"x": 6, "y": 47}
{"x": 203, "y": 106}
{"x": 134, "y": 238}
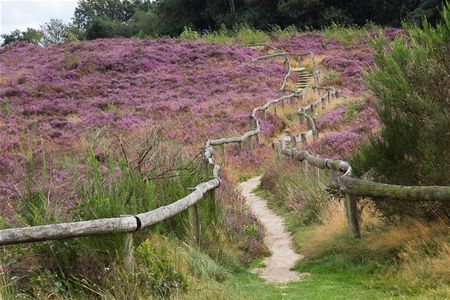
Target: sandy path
{"x": 277, "y": 238}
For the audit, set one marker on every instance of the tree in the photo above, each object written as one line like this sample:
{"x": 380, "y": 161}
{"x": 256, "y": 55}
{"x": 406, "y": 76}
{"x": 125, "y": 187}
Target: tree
{"x": 30, "y": 35}
{"x": 54, "y": 32}
{"x": 410, "y": 83}
{"x": 122, "y": 11}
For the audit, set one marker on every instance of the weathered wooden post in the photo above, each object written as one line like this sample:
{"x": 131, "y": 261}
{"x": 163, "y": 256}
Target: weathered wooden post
{"x": 329, "y": 96}
{"x": 276, "y": 149}
{"x": 265, "y": 114}
{"x": 317, "y": 173}
{"x": 322, "y": 103}
{"x": 301, "y": 116}
{"x": 351, "y": 208}
{"x": 222, "y": 153}
{"x": 315, "y": 134}
{"x": 275, "y": 108}
{"x": 195, "y": 224}
{"x": 129, "y": 253}
{"x": 303, "y": 139}
{"x": 305, "y": 167}
{"x": 250, "y": 123}
{"x": 293, "y": 142}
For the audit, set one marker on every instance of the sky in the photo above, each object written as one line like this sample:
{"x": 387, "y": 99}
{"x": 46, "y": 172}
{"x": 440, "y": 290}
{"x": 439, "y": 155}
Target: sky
{"x": 21, "y": 14}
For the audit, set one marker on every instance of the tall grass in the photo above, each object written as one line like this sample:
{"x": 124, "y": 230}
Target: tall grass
{"x": 348, "y": 35}
{"x": 109, "y": 180}
{"x": 296, "y": 191}
{"x": 243, "y": 34}
{"x": 408, "y": 258}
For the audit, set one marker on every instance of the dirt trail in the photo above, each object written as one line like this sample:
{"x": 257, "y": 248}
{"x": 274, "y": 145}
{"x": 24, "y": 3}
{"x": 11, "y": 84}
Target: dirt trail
{"x": 277, "y": 238}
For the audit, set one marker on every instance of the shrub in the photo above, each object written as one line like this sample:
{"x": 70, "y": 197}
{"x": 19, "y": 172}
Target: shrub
{"x": 283, "y": 33}
{"x": 189, "y": 34}
{"x": 249, "y": 36}
{"x": 410, "y": 83}
{"x": 222, "y": 36}
{"x": 346, "y": 35}
{"x": 294, "y": 191}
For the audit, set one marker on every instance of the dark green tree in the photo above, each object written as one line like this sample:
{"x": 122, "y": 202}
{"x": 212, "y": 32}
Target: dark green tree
{"x": 30, "y": 35}
{"x": 411, "y": 84}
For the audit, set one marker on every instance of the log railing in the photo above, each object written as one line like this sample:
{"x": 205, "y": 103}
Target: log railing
{"x": 131, "y": 224}
{"x": 351, "y": 187}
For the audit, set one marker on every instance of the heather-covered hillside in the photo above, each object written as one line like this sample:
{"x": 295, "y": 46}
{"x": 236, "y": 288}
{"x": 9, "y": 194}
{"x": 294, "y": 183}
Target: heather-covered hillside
{"x": 192, "y": 89}
{"x": 128, "y": 83}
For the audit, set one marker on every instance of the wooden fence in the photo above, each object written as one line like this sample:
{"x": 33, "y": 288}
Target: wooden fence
{"x": 131, "y": 224}
{"x": 351, "y": 187}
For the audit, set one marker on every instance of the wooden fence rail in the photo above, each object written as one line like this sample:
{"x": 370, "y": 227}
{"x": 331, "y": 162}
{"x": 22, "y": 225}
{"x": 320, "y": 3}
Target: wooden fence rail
{"x": 130, "y": 224}
{"x": 352, "y": 187}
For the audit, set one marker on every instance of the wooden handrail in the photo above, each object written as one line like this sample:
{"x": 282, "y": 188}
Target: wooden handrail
{"x": 347, "y": 184}
{"x": 127, "y": 224}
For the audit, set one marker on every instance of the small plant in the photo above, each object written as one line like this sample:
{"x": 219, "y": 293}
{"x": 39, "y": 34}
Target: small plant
{"x": 283, "y": 33}
{"x": 352, "y": 110}
{"x": 222, "y": 36}
{"x": 158, "y": 269}
{"x": 346, "y": 35}
{"x": 6, "y": 107}
{"x": 249, "y": 36}
{"x": 331, "y": 77}
{"x": 70, "y": 62}
{"x": 189, "y": 34}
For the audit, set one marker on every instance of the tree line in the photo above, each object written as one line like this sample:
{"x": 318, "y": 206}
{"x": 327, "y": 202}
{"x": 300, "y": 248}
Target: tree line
{"x": 146, "y": 18}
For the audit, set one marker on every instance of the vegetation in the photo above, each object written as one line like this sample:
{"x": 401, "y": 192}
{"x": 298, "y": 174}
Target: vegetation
{"x": 144, "y": 18}
{"x": 72, "y": 156}
{"x": 410, "y": 83}
{"x": 389, "y": 261}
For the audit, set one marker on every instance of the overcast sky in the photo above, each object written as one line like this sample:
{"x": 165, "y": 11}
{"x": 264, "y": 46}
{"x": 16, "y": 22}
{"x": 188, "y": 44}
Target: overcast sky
{"x": 20, "y": 14}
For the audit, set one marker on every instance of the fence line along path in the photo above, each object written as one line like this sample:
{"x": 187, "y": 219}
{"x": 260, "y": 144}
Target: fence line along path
{"x": 131, "y": 224}
{"x": 341, "y": 172}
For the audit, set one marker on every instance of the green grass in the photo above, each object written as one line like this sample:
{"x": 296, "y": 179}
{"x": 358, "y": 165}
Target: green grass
{"x": 320, "y": 284}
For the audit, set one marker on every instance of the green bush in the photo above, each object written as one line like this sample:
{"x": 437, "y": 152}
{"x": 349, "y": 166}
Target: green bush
{"x": 249, "y": 36}
{"x": 284, "y": 33}
{"x": 348, "y": 35}
{"x": 221, "y": 36}
{"x": 189, "y": 34}
{"x": 107, "y": 183}
{"x": 410, "y": 82}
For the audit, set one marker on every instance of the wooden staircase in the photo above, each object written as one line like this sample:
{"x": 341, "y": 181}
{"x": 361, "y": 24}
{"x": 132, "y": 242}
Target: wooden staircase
{"x": 303, "y": 75}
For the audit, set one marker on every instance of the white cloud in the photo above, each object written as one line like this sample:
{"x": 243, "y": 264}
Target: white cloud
{"x": 21, "y": 14}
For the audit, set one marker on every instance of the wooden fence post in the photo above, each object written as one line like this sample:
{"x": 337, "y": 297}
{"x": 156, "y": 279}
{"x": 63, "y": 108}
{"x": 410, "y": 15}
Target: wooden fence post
{"x": 129, "y": 253}
{"x": 329, "y": 97}
{"x": 351, "y": 208}
{"x": 195, "y": 225}
{"x": 305, "y": 166}
{"x": 303, "y": 139}
{"x": 222, "y": 153}
{"x": 317, "y": 175}
{"x": 274, "y": 108}
{"x": 315, "y": 134}
{"x": 301, "y": 116}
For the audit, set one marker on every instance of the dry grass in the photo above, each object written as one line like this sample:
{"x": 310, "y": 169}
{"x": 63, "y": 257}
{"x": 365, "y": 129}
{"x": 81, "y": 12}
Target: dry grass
{"x": 413, "y": 254}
